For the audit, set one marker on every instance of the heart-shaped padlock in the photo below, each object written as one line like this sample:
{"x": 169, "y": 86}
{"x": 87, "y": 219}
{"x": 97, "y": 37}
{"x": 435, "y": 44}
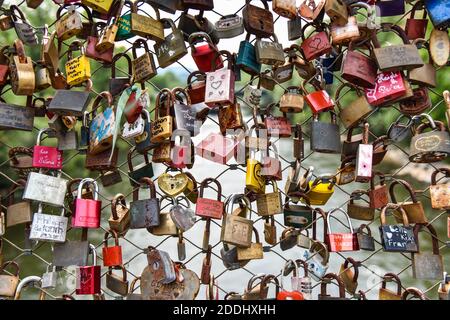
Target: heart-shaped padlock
{"x": 173, "y": 185}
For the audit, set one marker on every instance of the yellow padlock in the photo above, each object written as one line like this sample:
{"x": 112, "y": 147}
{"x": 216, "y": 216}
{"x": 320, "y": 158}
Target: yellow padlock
{"x": 254, "y": 181}
{"x": 78, "y": 70}
{"x": 321, "y": 189}
{"x": 101, "y": 6}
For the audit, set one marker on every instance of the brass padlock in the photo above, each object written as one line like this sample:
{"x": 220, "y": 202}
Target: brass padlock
{"x": 237, "y": 230}
{"x": 359, "y": 211}
{"x": 143, "y": 66}
{"x": 349, "y": 277}
{"x": 386, "y": 294}
{"x": 292, "y": 100}
{"x": 255, "y": 251}
{"x": 162, "y": 125}
{"x": 21, "y": 71}
{"x": 120, "y": 218}
{"x": 42, "y": 76}
{"x": 440, "y": 193}
{"x": 414, "y": 209}
{"x": 269, "y": 204}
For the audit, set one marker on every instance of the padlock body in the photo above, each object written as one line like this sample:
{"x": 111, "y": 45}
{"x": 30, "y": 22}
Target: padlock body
{"x": 87, "y": 213}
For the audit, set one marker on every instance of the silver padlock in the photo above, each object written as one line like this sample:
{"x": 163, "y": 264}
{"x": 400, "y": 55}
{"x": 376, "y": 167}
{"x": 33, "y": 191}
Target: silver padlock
{"x": 182, "y": 216}
{"x": 46, "y": 189}
{"x": 304, "y": 241}
{"x": 49, "y": 278}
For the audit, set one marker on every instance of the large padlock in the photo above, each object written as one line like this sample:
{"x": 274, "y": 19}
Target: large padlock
{"x": 440, "y": 193}
{"x": 415, "y": 27}
{"x": 315, "y": 45}
{"x": 341, "y": 242}
{"x": 255, "y": 251}
{"x": 45, "y": 156}
{"x": 427, "y": 265}
{"x": 321, "y": 189}
{"x": 144, "y": 212}
{"x": 205, "y": 56}
{"x": 88, "y": 277}
{"x": 397, "y": 238}
{"x": 220, "y": 83}
{"x": 70, "y": 102}
{"x": 325, "y": 137}
{"x": 269, "y": 204}
{"x": 356, "y": 111}
{"x": 119, "y": 221}
{"x": 344, "y": 34}
{"x": 87, "y": 211}
{"x": 102, "y": 126}
{"x": 397, "y": 57}
{"x": 431, "y": 146}
{"x": 414, "y": 209}
{"x": 258, "y": 21}
{"x": 209, "y": 208}
{"x": 146, "y": 26}
{"x": 47, "y": 227}
{"x": 78, "y": 69}
{"x": 359, "y": 69}
{"x": 22, "y": 77}
{"x": 359, "y": 211}
{"x": 163, "y": 123}
{"x": 425, "y": 75}
{"x": 237, "y": 230}
{"x": 112, "y": 255}
{"x": 270, "y": 52}
{"x": 46, "y": 188}
{"x": 298, "y": 216}
{"x": 143, "y": 66}
{"x": 173, "y": 48}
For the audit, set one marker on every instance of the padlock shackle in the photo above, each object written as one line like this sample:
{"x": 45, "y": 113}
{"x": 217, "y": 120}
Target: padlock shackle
{"x": 94, "y": 253}
{"x": 304, "y": 265}
{"x": 419, "y": 5}
{"x": 124, "y": 272}
{"x": 87, "y": 181}
{"x": 382, "y": 179}
{"x": 393, "y": 206}
{"x": 168, "y": 24}
{"x": 119, "y": 199}
{"x": 179, "y": 92}
{"x": 321, "y": 249}
{"x": 324, "y": 178}
{"x": 337, "y": 96}
{"x": 117, "y": 57}
{"x": 314, "y": 226}
{"x": 24, "y": 282}
{"x": 357, "y": 195}
{"x": 329, "y": 214}
{"x": 355, "y": 265}
{"x": 239, "y": 198}
{"x": 389, "y": 27}
{"x": 199, "y": 76}
{"x": 270, "y": 278}
{"x": 41, "y": 132}
{"x": 438, "y": 125}
{"x": 406, "y": 185}
{"x": 113, "y": 234}
{"x": 68, "y": 7}
{"x": 366, "y": 227}
{"x": 196, "y": 37}
{"x": 434, "y": 237}
{"x": 14, "y": 264}
{"x": 392, "y": 277}
{"x": 445, "y": 171}
{"x": 415, "y": 292}
{"x": 102, "y": 95}
{"x": 142, "y": 182}
{"x": 166, "y": 94}
{"x": 204, "y": 184}
{"x": 327, "y": 278}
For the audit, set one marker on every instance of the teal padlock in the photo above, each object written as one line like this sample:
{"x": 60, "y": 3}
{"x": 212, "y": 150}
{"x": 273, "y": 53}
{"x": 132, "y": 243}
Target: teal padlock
{"x": 124, "y": 24}
{"x": 246, "y": 59}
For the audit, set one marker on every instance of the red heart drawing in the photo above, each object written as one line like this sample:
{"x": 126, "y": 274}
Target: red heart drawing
{"x": 315, "y": 43}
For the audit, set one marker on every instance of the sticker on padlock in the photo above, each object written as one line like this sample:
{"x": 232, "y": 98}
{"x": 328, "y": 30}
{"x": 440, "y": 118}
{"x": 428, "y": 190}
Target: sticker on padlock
{"x": 133, "y": 130}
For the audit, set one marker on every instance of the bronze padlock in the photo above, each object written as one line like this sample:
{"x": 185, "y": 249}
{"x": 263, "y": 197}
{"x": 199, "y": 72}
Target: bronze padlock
{"x": 21, "y": 71}
{"x": 440, "y": 193}
{"x": 414, "y": 209}
{"x": 120, "y": 218}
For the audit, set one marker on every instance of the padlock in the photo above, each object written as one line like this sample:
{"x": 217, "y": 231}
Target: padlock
{"x": 17, "y": 212}
{"x": 439, "y": 193}
{"x": 182, "y": 215}
{"x": 93, "y": 41}
{"x": 143, "y": 142}
{"x": 397, "y": 57}
{"x": 229, "y": 257}
{"x": 294, "y": 293}
{"x": 397, "y": 238}
{"x": 258, "y": 21}
{"x": 45, "y": 188}
{"x": 388, "y": 87}
{"x": 256, "y": 290}
{"x": 378, "y": 194}
{"x": 205, "y": 275}
{"x": 220, "y": 83}
{"x": 379, "y": 149}
{"x": 298, "y": 216}
{"x": 145, "y": 169}
{"x": 351, "y": 143}
{"x": 271, "y": 166}
{"x": 87, "y": 211}
{"x": 190, "y": 24}
{"x": 364, "y": 155}
{"x": 229, "y": 26}
{"x": 317, "y": 258}
{"x": 25, "y": 32}
{"x": 254, "y": 180}
{"x": 304, "y": 241}
{"x": 341, "y": 242}
{"x": 118, "y": 84}
{"x": 358, "y": 69}
{"x": 438, "y": 15}
{"x": 71, "y": 252}
{"x": 390, "y": 8}
{"x": 69, "y": 24}
{"x": 319, "y": 100}
{"x": 294, "y": 28}
{"x": 162, "y": 125}
{"x": 112, "y": 255}
{"x": 209, "y": 208}
{"x": 292, "y": 100}
{"x": 425, "y": 75}
{"x": 270, "y": 230}
{"x": 325, "y": 137}
{"x": 269, "y": 204}
{"x": 315, "y": 45}
{"x": 337, "y": 11}
{"x": 312, "y": 9}
{"x": 160, "y": 264}
{"x": 323, "y": 287}
{"x": 119, "y": 220}
{"x": 418, "y": 103}
{"x": 102, "y": 161}
{"x": 138, "y": 100}
{"x": 22, "y": 77}
{"x": 70, "y": 102}
{"x": 302, "y": 284}
{"x": 246, "y": 58}
{"x": 277, "y": 125}
{"x": 237, "y": 229}
{"x": 42, "y": 77}
{"x": 356, "y": 111}
{"x": 6, "y": 22}
{"x": 143, "y": 66}
{"x": 416, "y": 28}
{"x": 365, "y": 241}
{"x": 47, "y": 227}
{"x": 88, "y": 277}
{"x": 321, "y": 189}
{"x": 49, "y": 278}
{"x": 427, "y": 265}
{"x": 387, "y": 294}
{"x": 191, "y": 191}
{"x": 166, "y": 226}
{"x": 144, "y": 212}
{"x": 78, "y": 70}
{"x": 269, "y": 52}
{"x": 288, "y": 238}
{"x": 444, "y": 288}
{"x": 206, "y": 56}
{"x": 9, "y": 281}
{"x": 431, "y": 146}
{"x": 44, "y": 156}
{"x": 172, "y": 48}
{"x": 346, "y": 33}
{"x": 124, "y": 23}
{"x": 146, "y": 26}
{"x": 115, "y": 283}
{"x": 359, "y": 211}
{"x": 102, "y": 126}
{"x": 347, "y": 171}
{"x": 196, "y": 82}
{"x": 230, "y": 118}
{"x": 414, "y": 209}
{"x": 349, "y": 277}
{"x": 36, "y": 281}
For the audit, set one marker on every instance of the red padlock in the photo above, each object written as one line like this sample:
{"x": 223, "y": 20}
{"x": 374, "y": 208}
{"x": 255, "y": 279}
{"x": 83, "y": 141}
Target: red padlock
{"x": 315, "y": 45}
{"x": 294, "y": 294}
{"x": 87, "y": 211}
{"x": 417, "y": 28}
{"x": 112, "y": 256}
{"x": 209, "y": 208}
{"x": 196, "y": 87}
{"x": 271, "y": 166}
{"x": 341, "y": 242}
{"x": 319, "y": 100}
{"x": 203, "y": 55}
{"x": 388, "y": 86}
{"x": 88, "y": 277}
{"x": 44, "y": 156}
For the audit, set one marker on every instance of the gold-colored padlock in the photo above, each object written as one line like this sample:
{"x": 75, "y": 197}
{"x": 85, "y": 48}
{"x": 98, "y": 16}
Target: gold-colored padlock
{"x": 269, "y": 204}
{"x": 120, "y": 218}
{"x": 162, "y": 125}
{"x": 21, "y": 71}
{"x": 255, "y": 251}
{"x": 42, "y": 75}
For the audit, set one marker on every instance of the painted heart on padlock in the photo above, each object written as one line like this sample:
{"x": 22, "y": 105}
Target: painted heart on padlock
{"x": 216, "y": 84}
{"x": 316, "y": 43}
{"x": 151, "y": 289}
{"x": 173, "y": 185}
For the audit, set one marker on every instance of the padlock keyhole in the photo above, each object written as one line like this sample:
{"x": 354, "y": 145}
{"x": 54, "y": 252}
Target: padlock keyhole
{"x": 261, "y": 24}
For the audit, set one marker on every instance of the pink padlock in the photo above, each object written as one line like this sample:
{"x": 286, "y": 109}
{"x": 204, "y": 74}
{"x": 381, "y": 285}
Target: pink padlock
{"x": 87, "y": 211}
{"x": 45, "y": 156}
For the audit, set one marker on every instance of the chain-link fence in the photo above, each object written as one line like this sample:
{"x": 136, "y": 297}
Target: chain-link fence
{"x": 36, "y": 257}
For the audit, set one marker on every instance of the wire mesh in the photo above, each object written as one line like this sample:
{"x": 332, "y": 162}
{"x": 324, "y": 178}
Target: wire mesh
{"x": 133, "y": 242}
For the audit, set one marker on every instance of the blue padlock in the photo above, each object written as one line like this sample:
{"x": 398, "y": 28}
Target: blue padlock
{"x": 246, "y": 59}
{"x": 439, "y": 12}
{"x": 390, "y": 8}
